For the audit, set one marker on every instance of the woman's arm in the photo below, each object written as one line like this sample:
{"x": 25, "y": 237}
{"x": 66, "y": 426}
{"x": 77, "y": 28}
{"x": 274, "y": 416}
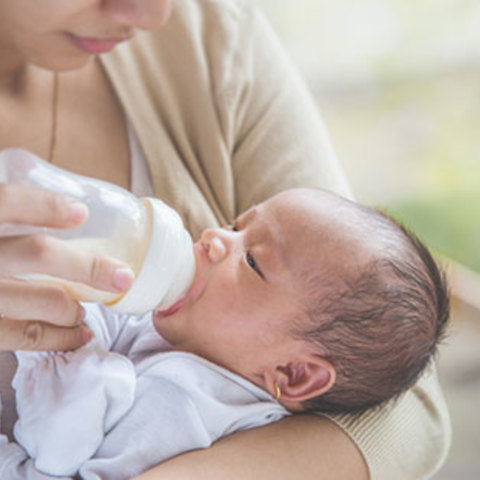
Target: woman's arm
{"x": 262, "y": 135}
{"x": 303, "y": 446}
{"x": 281, "y": 143}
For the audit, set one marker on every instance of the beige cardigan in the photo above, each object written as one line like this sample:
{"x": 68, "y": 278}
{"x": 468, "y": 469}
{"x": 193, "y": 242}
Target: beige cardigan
{"x": 225, "y": 122}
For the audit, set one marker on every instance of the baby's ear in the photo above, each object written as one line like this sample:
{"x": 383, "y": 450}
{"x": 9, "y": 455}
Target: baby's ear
{"x": 304, "y": 378}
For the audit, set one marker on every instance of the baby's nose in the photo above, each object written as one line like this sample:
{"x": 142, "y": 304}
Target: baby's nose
{"x": 215, "y": 244}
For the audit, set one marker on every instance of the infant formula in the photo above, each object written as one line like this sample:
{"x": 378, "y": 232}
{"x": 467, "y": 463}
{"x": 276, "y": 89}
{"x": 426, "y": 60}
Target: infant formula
{"x": 144, "y": 233}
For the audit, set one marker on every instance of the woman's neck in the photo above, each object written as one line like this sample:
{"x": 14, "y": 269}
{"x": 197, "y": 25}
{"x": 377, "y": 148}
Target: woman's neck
{"x": 12, "y": 68}
{"x": 15, "y": 83}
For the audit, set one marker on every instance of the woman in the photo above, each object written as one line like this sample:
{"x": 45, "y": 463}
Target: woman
{"x": 197, "y": 103}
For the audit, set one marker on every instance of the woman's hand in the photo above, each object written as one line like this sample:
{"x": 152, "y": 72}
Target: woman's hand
{"x": 45, "y": 317}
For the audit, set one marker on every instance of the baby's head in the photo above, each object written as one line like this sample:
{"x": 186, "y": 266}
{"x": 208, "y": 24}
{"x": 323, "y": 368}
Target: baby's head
{"x": 332, "y": 304}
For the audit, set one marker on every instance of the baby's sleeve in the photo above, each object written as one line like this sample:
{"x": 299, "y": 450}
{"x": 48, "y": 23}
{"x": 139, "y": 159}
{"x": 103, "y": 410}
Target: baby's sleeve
{"x": 15, "y": 463}
{"x": 66, "y": 403}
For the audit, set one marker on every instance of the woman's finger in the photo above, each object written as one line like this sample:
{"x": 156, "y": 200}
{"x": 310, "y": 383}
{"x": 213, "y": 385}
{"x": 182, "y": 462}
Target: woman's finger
{"x": 34, "y": 206}
{"x": 23, "y": 300}
{"x": 35, "y": 335}
{"x": 48, "y": 255}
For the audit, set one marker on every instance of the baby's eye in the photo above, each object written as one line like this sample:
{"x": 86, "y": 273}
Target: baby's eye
{"x": 252, "y": 263}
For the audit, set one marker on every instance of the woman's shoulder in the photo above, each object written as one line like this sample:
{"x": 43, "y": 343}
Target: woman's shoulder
{"x": 225, "y": 12}
{"x": 208, "y": 30}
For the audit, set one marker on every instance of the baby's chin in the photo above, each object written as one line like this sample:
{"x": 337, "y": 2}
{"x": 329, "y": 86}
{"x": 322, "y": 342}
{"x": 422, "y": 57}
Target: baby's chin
{"x": 167, "y": 324}
{"x": 164, "y": 319}
{"x": 170, "y": 321}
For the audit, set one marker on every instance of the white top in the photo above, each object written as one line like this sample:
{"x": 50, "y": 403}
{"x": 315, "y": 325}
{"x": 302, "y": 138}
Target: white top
{"x": 140, "y": 176}
{"x": 122, "y": 404}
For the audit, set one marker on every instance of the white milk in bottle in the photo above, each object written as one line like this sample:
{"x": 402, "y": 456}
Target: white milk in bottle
{"x": 144, "y": 233}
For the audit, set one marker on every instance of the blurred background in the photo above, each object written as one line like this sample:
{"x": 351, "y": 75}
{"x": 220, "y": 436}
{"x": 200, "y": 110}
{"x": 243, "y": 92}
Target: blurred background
{"x": 398, "y": 85}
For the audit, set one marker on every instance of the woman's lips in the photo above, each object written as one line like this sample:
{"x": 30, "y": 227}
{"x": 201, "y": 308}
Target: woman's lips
{"x": 94, "y": 45}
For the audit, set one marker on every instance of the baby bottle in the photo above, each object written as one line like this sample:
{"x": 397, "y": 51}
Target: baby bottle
{"x": 142, "y": 232}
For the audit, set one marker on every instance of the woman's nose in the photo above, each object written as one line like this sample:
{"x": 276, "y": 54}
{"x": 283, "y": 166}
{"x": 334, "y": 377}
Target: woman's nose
{"x": 217, "y": 242}
{"x": 144, "y": 14}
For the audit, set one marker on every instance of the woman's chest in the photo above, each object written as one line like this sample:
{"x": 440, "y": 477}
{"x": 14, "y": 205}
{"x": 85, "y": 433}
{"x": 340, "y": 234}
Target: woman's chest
{"x": 77, "y": 123}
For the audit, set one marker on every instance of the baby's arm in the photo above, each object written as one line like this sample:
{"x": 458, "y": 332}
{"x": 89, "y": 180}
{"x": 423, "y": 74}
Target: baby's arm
{"x": 15, "y": 463}
{"x": 182, "y": 403}
{"x": 67, "y": 401}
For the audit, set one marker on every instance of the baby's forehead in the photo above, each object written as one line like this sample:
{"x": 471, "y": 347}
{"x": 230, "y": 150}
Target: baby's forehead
{"x": 321, "y": 229}
{"x": 313, "y": 205}
{"x": 305, "y": 213}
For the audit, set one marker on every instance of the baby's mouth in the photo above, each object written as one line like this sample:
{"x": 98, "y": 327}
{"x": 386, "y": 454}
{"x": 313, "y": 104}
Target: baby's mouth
{"x": 192, "y": 294}
{"x": 172, "y": 308}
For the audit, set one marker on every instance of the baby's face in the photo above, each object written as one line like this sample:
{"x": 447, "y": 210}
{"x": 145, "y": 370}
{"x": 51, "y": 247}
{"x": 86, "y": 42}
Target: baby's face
{"x": 247, "y": 294}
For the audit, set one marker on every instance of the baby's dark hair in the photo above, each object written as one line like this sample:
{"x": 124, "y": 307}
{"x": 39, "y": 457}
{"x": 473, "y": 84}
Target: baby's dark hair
{"x": 381, "y": 328}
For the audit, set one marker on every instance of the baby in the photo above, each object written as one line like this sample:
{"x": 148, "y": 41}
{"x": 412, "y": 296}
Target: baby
{"x": 308, "y": 302}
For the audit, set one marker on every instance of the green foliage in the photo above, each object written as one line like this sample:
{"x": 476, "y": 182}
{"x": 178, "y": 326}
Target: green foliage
{"x": 450, "y": 224}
